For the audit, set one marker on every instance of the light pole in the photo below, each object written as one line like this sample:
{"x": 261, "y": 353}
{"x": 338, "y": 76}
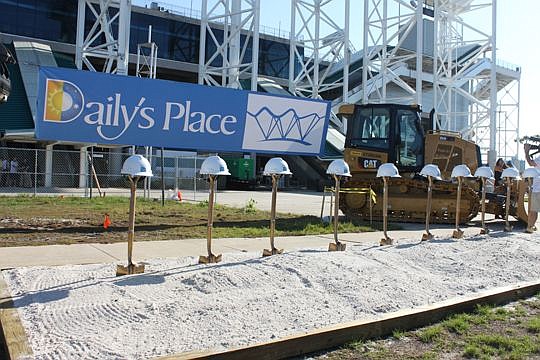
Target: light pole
{"x": 459, "y": 172}
{"x": 135, "y": 167}
{"x": 275, "y": 167}
{"x": 338, "y": 169}
{"x": 212, "y": 166}
{"x": 484, "y": 173}
{"x": 430, "y": 171}
{"x": 386, "y": 171}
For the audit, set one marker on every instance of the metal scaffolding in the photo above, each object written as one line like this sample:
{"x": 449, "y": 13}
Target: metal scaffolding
{"x": 101, "y": 43}
{"x": 392, "y": 52}
{"x": 318, "y": 55}
{"x": 429, "y": 52}
{"x": 223, "y": 59}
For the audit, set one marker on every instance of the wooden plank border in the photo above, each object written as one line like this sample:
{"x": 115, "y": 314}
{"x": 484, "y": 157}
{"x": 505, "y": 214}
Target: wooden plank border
{"x": 12, "y": 329}
{"x": 340, "y": 334}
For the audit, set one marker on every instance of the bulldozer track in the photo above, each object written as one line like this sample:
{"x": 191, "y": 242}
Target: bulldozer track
{"x": 407, "y": 201}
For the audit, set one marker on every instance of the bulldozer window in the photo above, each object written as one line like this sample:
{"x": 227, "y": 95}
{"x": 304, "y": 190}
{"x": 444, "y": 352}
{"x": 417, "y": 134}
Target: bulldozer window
{"x": 371, "y": 128}
{"x": 411, "y": 149}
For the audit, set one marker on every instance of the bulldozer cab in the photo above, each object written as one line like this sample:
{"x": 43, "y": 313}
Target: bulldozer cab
{"x": 379, "y": 133}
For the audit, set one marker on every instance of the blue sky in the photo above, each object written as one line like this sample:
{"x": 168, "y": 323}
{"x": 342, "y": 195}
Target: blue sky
{"x": 517, "y": 23}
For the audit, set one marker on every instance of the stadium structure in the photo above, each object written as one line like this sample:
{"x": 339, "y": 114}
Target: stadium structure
{"x": 428, "y": 52}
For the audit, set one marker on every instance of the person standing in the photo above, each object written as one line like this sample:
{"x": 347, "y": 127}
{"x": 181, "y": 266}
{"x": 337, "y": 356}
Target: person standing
{"x": 500, "y": 165}
{"x": 13, "y": 170}
{"x": 4, "y": 173}
{"x": 535, "y": 198}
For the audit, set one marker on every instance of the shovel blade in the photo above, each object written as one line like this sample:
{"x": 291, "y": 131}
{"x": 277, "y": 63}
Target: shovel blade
{"x": 270, "y": 252}
{"x": 427, "y": 236}
{"x": 386, "y": 241}
{"x": 129, "y": 270}
{"x": 210, "y": 259}
{"x": 336, "y": 247}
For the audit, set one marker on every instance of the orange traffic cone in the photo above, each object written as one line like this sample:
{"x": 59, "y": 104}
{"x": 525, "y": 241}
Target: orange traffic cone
{"x": 106, "y": 222}
{"x": 179, "y": 194}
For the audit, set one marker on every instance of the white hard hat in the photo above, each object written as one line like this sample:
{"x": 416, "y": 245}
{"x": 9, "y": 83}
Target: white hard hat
{"x": 276, "y": 166}
{"x": 531, "y": 173}
{"x": 431, "y": 170}
{"x": 461, "y": 170}
{"x": 214, "y": 165}
{"x": 484, "y": 172}
{"x": 510, "y": 173}
{"x": 338, "y": 167}
{"x": 389, "y": 170}
{"x": 136, "y": 165}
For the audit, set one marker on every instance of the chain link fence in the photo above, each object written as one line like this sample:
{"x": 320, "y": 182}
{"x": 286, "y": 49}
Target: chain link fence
{"x": 89, "y": 172}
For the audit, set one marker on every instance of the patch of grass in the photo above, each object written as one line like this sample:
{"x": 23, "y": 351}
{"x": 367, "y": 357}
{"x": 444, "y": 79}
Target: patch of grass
{"x": 398, "y": 334}
{"x": 458, "y": 324}
{"x": 430, "y": 334}
{"x": 357, "y": 345}
{"x": 487, "y": 345}
{"x": 50, "y": 220}
{"x": 533, "y": 325}
{"x": 430, "y": 355}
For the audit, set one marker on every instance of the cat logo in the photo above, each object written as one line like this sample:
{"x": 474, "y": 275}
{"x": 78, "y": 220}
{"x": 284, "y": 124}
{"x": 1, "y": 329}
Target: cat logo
{"x": 371, "y": 163}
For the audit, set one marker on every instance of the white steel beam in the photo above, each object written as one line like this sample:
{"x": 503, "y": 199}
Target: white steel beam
{"x": 231, "y": 18}
{"x": 100, "y": 42}
{"x": 324, "y": 49}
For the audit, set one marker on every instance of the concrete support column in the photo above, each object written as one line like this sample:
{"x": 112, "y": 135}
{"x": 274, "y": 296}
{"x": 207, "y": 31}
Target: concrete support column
{"x": 48, "y": 165}
{"x": 83, "y": 167}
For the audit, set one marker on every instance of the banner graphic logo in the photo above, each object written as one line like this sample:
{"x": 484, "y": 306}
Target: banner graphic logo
{"x": 64, "y": 101}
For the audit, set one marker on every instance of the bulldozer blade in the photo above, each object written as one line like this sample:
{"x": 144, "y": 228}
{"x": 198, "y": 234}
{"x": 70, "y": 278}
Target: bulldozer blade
{"x": 336, "y": 247}
{"x": 457, "y": 234}
{"x": 386, "y": 241}
{"x": 270, "y": 252}
{"x": 129, "y": 270}
{"x": 427, "y": 236}
{"x": 210, "y": 259}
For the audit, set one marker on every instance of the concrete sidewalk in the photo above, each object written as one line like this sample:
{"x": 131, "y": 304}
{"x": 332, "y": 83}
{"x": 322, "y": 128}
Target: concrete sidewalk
{"x": 106, "y": 253}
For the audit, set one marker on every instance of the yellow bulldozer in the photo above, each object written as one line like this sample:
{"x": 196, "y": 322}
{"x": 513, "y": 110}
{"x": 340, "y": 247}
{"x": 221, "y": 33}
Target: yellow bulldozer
{"x": 381, "y": 133}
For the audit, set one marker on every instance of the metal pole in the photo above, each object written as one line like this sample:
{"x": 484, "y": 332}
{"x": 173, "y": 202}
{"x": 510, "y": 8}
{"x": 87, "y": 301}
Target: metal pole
{"x": 35, "y": 171}
{"x": 255, "y": 46}
{"x": 322, "y": 205}
{"x": 347, "y": 53}
{"x": 162, "y": 179}
{"x": 202, "y": 41}
{"x": 419, "y": 49}
{"x": 91, "y": 167}
{"x": 492, "y": 153}
{"x": 292, "y": 48}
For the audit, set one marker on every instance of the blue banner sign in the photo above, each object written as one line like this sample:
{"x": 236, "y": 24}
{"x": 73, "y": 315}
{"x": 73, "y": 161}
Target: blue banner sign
{"x": 89, "y": 107}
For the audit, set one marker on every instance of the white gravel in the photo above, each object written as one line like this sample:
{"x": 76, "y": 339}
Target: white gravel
{"x": 72, "y": 312}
